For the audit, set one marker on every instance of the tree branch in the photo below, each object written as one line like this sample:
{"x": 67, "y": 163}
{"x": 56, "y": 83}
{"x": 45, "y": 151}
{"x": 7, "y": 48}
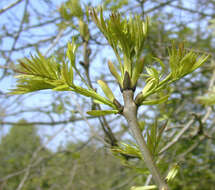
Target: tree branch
{"x": 46, "y": 123}
{"x": 130, "y": 113}
{"x": 10, "y": 6}
{"x": 177, "y": 137}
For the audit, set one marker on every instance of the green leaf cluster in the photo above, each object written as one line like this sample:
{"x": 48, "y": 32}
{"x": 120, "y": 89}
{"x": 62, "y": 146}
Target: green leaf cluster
{"x": 129, "y": 150}
{"x": 126, "y": 37}
{"x": 39, "y": 73}
{"x": 148, "y": 187}
{"x": 181, "y": 63}
{"x": 71, "y": 8}
{"x": 154, "y": 135}
{"x": 208, "y": 99}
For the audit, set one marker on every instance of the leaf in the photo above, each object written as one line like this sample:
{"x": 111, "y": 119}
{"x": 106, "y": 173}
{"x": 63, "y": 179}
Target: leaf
{"x": 84, "y": 31}
{"x": 128, "y": 150}
{"x": 67, "y": 74}
{"x": 102, "y": 112}
{"x": 149, "y": 87}
{"x": 71, "y": 49}
{"x": 208, "y": 99}
{"x": 150, "y": 142}
{"x": 160, "y": 62}
{"x": 91, "y": 93}
{"x": 157, "y": 101}
{"x": 172, "y": 173}
{"x": 138, "y": 69}
{"x": 148, "y": 187}
{"x": 114, "y": 72}
{"x": 183, "y": 62}
{"x": 107, "y": 91}
{"x": 63, "y": 87}
{"x": 126, "y": 36}
{"x": 200, "y": 61}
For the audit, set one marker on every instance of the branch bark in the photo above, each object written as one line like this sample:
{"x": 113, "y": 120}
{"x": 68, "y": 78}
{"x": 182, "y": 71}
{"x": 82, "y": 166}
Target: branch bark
{"x": 10, "y": 6}
{"x": 130, "y": 113}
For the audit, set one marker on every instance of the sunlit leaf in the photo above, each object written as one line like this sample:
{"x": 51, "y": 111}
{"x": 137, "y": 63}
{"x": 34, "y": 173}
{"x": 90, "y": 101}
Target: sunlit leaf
{"x": 114, "y": 72}
{"x": 93, "y": 94}
{"x": 128, "y": 150}
{"x": 148, "y": 187}
{"x": 106, "y": 90}
{"x": 71, "y": 49}
{"x": 172, "y": 173}
{"x": 102, "y": 112}
{"x": 156, "y": 101}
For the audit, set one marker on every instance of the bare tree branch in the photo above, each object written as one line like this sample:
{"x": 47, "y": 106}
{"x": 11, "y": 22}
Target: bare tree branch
{"x": 10, "y": 6}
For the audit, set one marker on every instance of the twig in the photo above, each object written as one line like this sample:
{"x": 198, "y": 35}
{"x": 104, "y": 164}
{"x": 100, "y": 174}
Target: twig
{"x": 9, "y": 6}
{"x": 159, "y": 6}
{"x": 46, "y": 123}
{"x": 187, "y": 126}
{"x": 72, "y": 174}
{"x": 92, "y": 130}
{"x": 16, "y": 37}
{"x": 192, "y": 11}
{"x": 177, "y": 137}
{"x": 59, "y": 35}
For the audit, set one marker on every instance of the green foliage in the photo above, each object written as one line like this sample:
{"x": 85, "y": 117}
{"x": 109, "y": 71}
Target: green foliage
{"x": 129, "y": 150}
{"x": 114, "y": 5}
{"x": 106, "y": 90}
{"x": 16, "y": 151}
{"x": 172, "y": 173}
{"x": 154, "y": 135}
{"x": 124, "y": 36}
{"x": 208, "y": 99}
{"x": 181, "y": 62}
{"x": 148, "y": 187}
{"x": 72, "y": 8}
{"x": 39, "y": 73}
{"x": 84, "y": 31}
{"x": 102, "y": 112}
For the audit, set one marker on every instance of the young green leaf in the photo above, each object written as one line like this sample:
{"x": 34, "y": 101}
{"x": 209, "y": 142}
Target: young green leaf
{"x": 71, "y": 49}
{"x": 84, "y": 31}
{"x": 157, "y": 101}
{"x": 91, "y": 93}
{"x": 63, "y": 87}
{"x": 172, "y": 173}
{"x": 67, "y": 74}
{"x": 183, "y": 62}
{"x": 128, "y": 150}
{"x": 102, "y": 112}
{"x": 114, "y": 72}
{"x": 107, "y": 91}
{"x": 137, "y": 70}
{"x": 148, "y": 187}
{"x": 149, "y": 87}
